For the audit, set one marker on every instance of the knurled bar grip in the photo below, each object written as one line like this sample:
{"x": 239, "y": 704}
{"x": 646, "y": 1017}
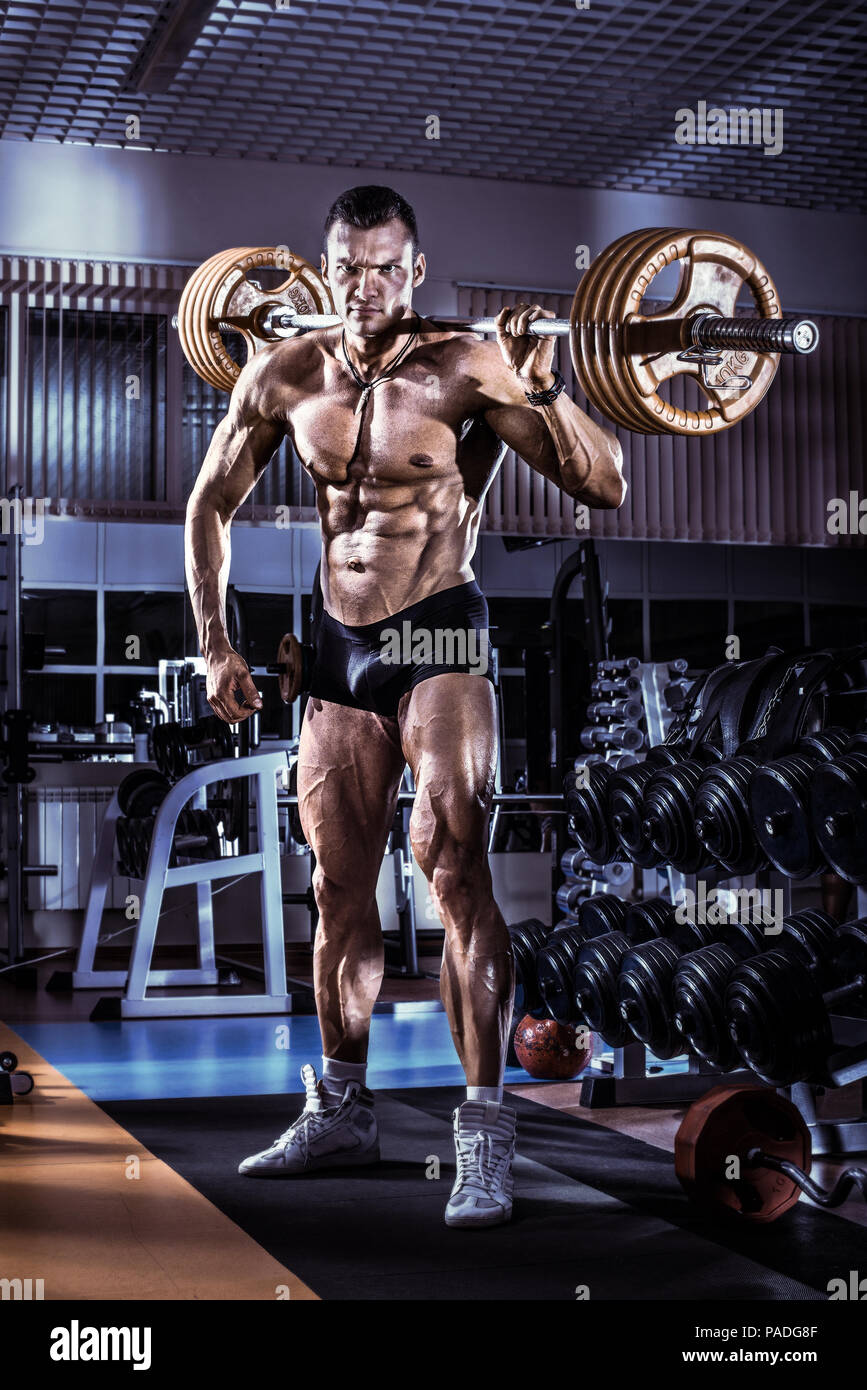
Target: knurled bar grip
{"x": 763, "y": 335}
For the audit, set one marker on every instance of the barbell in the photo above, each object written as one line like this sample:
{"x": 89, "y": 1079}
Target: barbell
{"x": 621, "y": 355}
{"x": 746, "y": 1151}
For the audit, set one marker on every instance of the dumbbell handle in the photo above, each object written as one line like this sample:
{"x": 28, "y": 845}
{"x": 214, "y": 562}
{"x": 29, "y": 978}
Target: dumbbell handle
{"x": 833, "y": 1197}
{"x": 853, "y": 987}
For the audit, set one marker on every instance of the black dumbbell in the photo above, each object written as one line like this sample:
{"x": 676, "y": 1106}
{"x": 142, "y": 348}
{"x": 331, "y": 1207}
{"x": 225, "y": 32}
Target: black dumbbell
{"x": 698, "y": 991}
{"x": 777, "y": 1003}
{"x": 600, "y": 914}
{"x": 646, "y": 920}
{"x": 624, "y": 792}
{"x": 645, "y": 985}
{"x": 20, "y": 1083}
{"x": 667, "y": 815}
{"x": 839, "y": 812}
{"x": 555, "y": 971}
{"x": 527, "y": 938}
{"x": 588, "y": 815}
{"x": 780, "y": 797}
{"x": 595, "y": 984}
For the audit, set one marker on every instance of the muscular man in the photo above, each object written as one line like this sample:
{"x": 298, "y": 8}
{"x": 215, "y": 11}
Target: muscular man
{"x": 401, "y": 427}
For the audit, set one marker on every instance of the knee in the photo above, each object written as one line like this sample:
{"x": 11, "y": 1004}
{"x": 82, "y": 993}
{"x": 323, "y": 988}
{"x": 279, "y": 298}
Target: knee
{"x": 337, "y": 901}
{"x": 458, "y": 880}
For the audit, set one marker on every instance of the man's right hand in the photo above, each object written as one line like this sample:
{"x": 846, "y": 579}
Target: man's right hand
{"x": 230, "y": 690}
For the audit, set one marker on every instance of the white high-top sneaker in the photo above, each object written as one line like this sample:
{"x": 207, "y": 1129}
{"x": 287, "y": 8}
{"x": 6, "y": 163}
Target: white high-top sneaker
{"x": 323, "y": 1136}
{"x": 485, "y": 1147}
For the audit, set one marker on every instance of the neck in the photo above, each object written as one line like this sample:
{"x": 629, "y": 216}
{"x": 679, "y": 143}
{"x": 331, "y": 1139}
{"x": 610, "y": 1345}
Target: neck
{"x": 372, "y": 352}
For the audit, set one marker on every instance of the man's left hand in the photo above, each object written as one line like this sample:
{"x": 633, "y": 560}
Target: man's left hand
{"x": 529, "y": 357}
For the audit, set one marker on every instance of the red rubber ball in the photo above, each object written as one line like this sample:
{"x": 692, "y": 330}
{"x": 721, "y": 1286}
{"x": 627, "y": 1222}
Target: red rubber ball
{"x": 552, "y": 1051}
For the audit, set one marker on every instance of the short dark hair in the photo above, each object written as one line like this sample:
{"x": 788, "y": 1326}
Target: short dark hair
{"x": 370, "y": 205}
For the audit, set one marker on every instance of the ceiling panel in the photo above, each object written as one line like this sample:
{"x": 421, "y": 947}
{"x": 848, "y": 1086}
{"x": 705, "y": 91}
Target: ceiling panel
{"x": 535, "y": 91}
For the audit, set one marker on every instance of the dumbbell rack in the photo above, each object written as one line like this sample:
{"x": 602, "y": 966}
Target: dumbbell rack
{"x": 630, "y": 1079}
{"x": 277, "y": 997}
{"x": 616, "y": 734}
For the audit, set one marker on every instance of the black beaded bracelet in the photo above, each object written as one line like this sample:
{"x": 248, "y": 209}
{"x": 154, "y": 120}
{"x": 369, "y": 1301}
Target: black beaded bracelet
{"x": 550, "y": 395}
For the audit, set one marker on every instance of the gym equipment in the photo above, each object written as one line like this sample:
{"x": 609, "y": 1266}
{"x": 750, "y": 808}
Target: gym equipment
{"x": 600, "y": 914}
{"x": 142, "y": 792}
{"x": 296, "y": 830}
{"x": 779, "y": 1016}
{"x": 528, "y": 938}
{"x": 780, "y": 797}
{"x": 624, "y": 802}
{"x": 588, "y": 815}
{"x": 196, "y": 838}
{"x": 839, "y": 813}
{"x": 595, "y": 984}
{"x": 621, "y": 356}
{"x": 12, "y": 1081}
{"x": 645, "y": 920}
{"x": 173, "y": 744}
{"x": 746, "y": 1150}
{"x": 223, "y": 295}
{"x": 555, "y": 967}
{"x": 181, "y": 811}
{"x": 604, "y": 711}
{"x": 570, "y": 895}
{"x": 698, "y": 991}
{"x": 644, "y": 989}
{"x": 552, "y": 1051}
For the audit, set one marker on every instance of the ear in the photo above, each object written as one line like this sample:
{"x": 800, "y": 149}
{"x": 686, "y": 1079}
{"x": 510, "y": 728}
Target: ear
{"x": 324, "y": 267}
{"x": 418, "y": 272}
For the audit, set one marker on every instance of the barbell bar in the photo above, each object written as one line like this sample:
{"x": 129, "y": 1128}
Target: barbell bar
{"x": 704, "y": 331}
{"x": 621, "y": 354}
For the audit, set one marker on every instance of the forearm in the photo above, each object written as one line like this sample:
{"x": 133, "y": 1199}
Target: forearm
{"x": 589, "y": 459}
{"x": 208, "y": 556}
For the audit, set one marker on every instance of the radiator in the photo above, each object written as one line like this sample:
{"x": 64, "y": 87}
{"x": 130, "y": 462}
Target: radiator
{"x": 62, "y": 828}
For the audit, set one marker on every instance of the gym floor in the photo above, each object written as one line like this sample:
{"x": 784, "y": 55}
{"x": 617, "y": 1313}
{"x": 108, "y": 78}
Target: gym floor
{"x": 117, "y": 1219}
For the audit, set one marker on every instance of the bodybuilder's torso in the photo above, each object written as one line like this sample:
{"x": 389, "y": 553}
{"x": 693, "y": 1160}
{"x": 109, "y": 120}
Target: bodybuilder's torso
{"x": 399, "y": 486}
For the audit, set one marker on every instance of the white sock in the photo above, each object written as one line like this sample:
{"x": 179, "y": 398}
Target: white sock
{"x": 335, "y": 1075}
{"x": 489, "y": 1093}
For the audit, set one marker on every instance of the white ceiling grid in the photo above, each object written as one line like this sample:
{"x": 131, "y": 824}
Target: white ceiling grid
{"x": 531, "y": 90}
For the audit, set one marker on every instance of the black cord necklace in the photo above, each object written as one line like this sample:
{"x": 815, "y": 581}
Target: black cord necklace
{"x": 367, "y": 386}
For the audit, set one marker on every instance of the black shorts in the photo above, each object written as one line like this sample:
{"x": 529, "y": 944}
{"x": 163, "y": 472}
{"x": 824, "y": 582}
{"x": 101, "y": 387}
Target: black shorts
{"x": 372, "y": 666}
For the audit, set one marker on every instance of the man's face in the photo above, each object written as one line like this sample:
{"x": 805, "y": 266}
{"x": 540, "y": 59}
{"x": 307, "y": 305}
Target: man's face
{"x": 371, "y": 275}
